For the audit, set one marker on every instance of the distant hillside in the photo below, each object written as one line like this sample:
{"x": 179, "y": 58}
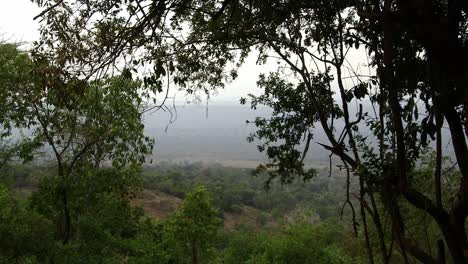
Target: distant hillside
{"x": 216, "y": 137}
{"x": 217, "y": 134}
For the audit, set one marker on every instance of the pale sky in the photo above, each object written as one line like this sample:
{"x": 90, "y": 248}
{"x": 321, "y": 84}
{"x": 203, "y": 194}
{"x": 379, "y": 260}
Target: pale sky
{"x": 16, "y": 20}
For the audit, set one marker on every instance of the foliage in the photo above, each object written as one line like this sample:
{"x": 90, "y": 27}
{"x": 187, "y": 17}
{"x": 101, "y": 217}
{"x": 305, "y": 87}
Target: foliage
{"x": 311, "y": 41}
{"x": 99, "y": 119}
{"x": 301, "y": 243}
{"x": 293, "y": 118}
{"x": 234, "y": 188}
{"x": 109, "y": 230}
{"x": 25, "y": 236}
{"x": 15, "y": 71}
{"x": 82, "y": 123}
{"x": 193, "y": 228}
{"x": 91, "y": 192}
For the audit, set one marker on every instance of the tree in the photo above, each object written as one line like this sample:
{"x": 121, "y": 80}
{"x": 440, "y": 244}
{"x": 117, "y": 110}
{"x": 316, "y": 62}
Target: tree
{"x": 136, "y": 34}
{"x": 416, "y": 50}
{"x": 299, "y": 243}
{"x": 20, "y": 230}
{"x": 195, "y": 225}
{"x": 83, "y": 123}
{"x": 14, "y": 69}
{"x": 312, "y": 41}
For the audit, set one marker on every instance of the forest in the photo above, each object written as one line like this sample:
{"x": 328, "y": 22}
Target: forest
{"x": 377, "y": 87}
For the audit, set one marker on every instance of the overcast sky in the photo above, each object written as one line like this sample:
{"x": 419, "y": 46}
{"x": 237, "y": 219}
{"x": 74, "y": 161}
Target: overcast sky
{"x": 16, "y": 20}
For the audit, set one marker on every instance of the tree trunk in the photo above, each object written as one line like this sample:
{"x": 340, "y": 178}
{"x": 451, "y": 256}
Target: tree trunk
{"x": 441, "y": 251}
{"x": 66, "y": 215}
{"x": 194, "y": 253}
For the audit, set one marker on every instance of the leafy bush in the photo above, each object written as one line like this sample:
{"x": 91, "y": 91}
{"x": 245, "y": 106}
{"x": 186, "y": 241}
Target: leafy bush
{"x": 301, "y": 243}
{"x": 25, "y": 236}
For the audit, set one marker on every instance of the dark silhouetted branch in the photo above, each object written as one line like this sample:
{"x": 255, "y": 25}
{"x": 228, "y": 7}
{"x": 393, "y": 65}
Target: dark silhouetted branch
{"x": 48, "y": 9}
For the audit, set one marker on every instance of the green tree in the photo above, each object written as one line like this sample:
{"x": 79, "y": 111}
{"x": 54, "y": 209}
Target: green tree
{"x": 81, "y": 123}
{"x": 311, "y": 41}
{"x": 25, "y": 236}
{"x": 195, "y": 226}
{"x": 107, "y": 228}
{"x": 299, "y": 243}
{"x": 14, "y": 70}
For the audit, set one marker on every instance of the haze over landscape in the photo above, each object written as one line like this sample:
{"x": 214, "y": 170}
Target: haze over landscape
{"x": 219, "y": 137}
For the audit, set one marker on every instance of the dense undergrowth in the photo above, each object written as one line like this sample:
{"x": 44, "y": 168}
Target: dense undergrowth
{"x": 106, "y": 228}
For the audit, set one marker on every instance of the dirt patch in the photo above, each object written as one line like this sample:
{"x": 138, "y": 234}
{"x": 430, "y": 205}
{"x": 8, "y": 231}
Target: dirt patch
{"x": 160, "y": 205}
{"x": 157, "y": 204}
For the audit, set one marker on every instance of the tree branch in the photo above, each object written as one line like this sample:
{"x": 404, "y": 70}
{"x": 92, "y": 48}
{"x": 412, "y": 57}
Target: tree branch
{"x": 48, "y": 9}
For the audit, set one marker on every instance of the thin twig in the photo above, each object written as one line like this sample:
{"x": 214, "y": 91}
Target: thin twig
{"x": 48, "y": 9}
